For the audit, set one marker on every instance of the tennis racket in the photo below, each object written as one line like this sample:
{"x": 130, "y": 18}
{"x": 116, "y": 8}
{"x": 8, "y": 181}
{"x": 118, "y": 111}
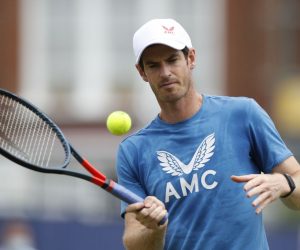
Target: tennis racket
{"x": 31, "y": 139}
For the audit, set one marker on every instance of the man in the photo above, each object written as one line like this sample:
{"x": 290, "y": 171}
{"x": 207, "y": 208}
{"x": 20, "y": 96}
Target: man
{"x": 214, "y": 163}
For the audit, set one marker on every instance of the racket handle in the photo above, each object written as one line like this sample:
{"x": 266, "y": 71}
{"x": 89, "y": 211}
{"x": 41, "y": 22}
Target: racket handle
{"x": 126, "y": 195}
{"x": 163, "y": 220}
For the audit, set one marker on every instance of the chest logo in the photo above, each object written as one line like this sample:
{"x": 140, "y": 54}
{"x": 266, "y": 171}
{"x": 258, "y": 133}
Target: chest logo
{"x": 173, "y": 166}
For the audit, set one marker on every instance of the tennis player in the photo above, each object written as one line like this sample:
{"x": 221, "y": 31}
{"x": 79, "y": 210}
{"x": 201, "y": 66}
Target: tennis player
{"x": 213, "y": 162}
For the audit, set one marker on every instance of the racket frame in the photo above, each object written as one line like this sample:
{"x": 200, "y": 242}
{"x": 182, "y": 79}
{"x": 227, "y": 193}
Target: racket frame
{"x": 97, "y": 177}
{"x": 53, "y": 126}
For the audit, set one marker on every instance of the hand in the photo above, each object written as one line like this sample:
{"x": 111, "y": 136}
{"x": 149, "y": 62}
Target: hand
{"x": 267, "y": 187}
{"x": 149, "y": 213}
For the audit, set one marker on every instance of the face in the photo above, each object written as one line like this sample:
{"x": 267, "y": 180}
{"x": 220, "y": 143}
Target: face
{"x": 168, "y": 72}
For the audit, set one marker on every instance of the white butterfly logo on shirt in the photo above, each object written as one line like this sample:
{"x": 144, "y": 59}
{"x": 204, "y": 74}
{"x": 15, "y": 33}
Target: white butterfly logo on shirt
{"x": 172, "y": 165}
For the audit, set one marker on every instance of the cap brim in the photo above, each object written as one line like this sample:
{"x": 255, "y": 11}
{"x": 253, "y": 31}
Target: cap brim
{"x": 169, "y": 43}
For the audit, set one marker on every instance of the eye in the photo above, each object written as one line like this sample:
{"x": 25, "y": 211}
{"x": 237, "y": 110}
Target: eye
{"x": 152, "y": 65}
{"x": 172, "y": 59}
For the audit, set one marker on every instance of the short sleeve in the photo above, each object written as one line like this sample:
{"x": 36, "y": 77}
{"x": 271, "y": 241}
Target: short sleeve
{"x": 267, "y": 147}
{"x": 127, "y": 173}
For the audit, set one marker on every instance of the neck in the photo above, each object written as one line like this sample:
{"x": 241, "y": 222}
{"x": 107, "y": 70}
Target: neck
{"x": 182, "y": 109}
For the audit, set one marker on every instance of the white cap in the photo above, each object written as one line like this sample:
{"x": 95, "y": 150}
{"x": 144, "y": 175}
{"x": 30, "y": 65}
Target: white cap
{"x": 160, "y": 31}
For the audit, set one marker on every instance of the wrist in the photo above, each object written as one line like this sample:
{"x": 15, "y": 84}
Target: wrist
{"x": 291, "y": 184}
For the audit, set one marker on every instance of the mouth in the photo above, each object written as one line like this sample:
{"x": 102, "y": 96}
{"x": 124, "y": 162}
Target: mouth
{"x": 167, "y": 84}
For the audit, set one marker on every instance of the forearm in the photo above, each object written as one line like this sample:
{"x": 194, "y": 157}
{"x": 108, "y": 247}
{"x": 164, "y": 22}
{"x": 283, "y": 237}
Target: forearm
{"x": 144, "y": 238}
{"x": 142, "y": 228}
{"x": 293, "y": 201}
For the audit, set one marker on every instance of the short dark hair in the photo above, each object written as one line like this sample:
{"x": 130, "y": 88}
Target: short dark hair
{"x": 185, "y": 52}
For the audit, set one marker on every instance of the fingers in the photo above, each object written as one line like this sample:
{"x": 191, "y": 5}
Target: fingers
{"x": 149, "y": 213}
{"x": 255, "y": 185}
{"x": 264, "y": 195}
{"x": 243, "y": 178}
{"x": 152, "y": 213}
{"x": 266, "y": 188}
{"x": 262, "y": 201}
{"x": 151, "y": 216}
{"x": 135, "y": 207}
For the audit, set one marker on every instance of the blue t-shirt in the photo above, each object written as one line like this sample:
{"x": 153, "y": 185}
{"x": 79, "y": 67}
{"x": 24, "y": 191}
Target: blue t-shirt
{"x": 188, "y": 165}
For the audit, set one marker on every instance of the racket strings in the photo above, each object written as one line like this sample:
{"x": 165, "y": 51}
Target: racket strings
{"x": 27, "y": 136}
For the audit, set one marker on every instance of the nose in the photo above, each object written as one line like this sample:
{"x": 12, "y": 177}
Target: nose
{"x": 165, "y": 70}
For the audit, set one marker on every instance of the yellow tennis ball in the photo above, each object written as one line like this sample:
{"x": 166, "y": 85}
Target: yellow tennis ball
{"x": 118, "y": 123}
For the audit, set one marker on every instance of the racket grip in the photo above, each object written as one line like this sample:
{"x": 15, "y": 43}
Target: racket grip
{"x": 126, "y": 195}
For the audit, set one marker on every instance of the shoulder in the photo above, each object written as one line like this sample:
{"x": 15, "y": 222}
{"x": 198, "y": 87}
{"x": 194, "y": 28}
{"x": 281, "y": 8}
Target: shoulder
{"x": 230, "y": 104}
{"x": 230, "y": 100}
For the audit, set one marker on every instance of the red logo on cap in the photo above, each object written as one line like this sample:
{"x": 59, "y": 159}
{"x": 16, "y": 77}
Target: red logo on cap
{"x": 168, "y": 30}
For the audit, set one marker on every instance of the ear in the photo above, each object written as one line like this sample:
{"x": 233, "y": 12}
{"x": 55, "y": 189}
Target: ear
{"x": 141, "y": 72}
{"x": 192, "y": 58}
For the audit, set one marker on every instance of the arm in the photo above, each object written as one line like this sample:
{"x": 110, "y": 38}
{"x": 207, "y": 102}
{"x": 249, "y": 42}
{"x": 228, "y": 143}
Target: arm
{"x": 270, "y": 187}
{"x": 141, "y": 225}
{"x": 291, "y": 167}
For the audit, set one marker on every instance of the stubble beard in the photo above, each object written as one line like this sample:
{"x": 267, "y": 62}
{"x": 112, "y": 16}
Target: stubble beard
{"x": 173, "y": 96}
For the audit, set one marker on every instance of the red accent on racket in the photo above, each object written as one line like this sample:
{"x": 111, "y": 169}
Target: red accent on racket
{"x": 31, "y": 139}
